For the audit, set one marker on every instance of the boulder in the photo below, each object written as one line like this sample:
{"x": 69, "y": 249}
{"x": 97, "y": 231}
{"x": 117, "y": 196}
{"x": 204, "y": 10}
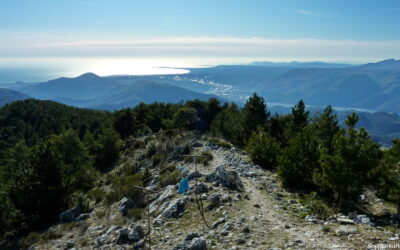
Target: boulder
{"x": 106, "y": 237}
{"x": 250, "y": 174}
{"x": 82, "y": 217}
{"x": 215, "y": 201}
{"x": 352, "y": 215}
{"x": 346, "y": 230}
{"x": 191, "y": 236}
{"x": 123, "y": 236}
{"x": 215, "y": 198}
{"x": 124, "y": 232}
{"x": 224, "y": 232}
{"x": 129, "y": 236}
{"x": 70, "y": 215}
{"x": 240, "y": 241}
{"x": 197, "y": 244}
{"x": 102, "y": 239}
{"x": 201, "y": 188}
{"x": 178, "y": 152}
{"x": 228, "y": 179}
{"x": 169, "y": 192}
{"x": 227, "y": 226}
{"x": 363, "y": 219}
{"x": 345, "y": 221}
{"x": 247, "y": 229}
{"x": 124, "y": 205}
{"x": 70, "y": 243}
{"x": 184, "y": 170}
{"x": 153, "y": 184}
{"x": 197, "y": 144}
{"x": 136, "y": 234}
{"x": 140, "y": 245}
{"x": 226, "y": 198}
{"x": 190, "y": 243}
{"x": 193, "y": 175}
{"x": 173, "y": 210}
{"x": 217, "y": 223}
{"x": 313, "y": 219}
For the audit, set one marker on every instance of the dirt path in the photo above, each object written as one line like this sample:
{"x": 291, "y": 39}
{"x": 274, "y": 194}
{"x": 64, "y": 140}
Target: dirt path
{"x": 272, "y": 224}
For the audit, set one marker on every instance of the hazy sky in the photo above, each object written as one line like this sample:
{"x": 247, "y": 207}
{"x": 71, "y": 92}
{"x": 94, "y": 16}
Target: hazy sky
{"x": 188, "y": 32}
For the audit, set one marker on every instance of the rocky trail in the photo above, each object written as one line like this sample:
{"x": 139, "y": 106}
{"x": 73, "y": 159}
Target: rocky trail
{"x": 261, "y": 221}
{"x": 244, "y": 207}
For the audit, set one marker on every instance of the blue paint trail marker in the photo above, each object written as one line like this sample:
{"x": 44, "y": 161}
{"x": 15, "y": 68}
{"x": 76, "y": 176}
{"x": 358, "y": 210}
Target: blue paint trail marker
{"x": 183, "y": 186}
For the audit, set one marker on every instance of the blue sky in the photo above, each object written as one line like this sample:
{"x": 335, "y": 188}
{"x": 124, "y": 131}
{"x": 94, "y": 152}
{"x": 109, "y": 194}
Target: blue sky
{"x": 206, "y": 31}
{"x": 320, "y": 19}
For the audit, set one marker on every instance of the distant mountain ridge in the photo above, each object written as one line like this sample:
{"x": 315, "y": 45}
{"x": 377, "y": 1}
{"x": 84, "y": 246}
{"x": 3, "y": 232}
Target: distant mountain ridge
{"x": 86, "y": 86}
{"x": 390, "y": 64}
{"x": 374, "y": 86}
{"x": 8, "y": 96}
{"x": 92, "y": 91}
{"x": 295, "y": 64}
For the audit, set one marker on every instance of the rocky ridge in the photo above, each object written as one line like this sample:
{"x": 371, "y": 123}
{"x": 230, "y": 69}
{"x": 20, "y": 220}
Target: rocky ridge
{"x": 244, "y": 208}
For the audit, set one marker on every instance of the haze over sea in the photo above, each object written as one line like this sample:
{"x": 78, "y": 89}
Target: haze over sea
{"x": 43, "y": 69}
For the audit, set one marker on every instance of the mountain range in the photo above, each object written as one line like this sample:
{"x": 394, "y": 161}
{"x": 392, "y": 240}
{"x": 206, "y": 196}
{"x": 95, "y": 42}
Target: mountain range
{"x": 92, "y": 91}
{"x": 295, "y": 64}
{"x": 374, "y": 87}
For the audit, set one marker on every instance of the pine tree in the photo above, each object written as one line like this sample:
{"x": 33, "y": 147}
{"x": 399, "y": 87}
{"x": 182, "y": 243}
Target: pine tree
{"x": 185, "y": 118}
{"x": 254, "y": 115}
{"x": 347, "y": 171}
{"x": 279, "y": 128}
{"x": 388, "y": 175}
{"x": 299, "y": 160}
{"x": 48, "y": 192}
{"x": 228, "y": 124}
{"x": 327, "y": 127}
{"x": 300, "y": 116}
{"x": 263, "y": 149}
{"x": 124, "y": 123}
{"x": 77, "y": 169}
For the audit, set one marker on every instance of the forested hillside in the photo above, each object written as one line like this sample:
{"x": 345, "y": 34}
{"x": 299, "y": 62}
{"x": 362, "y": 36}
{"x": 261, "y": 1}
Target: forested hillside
{"x": 54, "y": 157}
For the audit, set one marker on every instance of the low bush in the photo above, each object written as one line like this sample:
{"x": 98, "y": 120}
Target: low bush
{"x": 146, "y": 175}
{"x": 317, "y": 206}
{"x": 126, "y": 186}
{"x": 263, "y": 149}
{"x": 150, "y": 150}
{"x": 80, "y": 200}
{"x": 96, "y": 194}
{"x": 206, "y": 156}
{"x": 135, "y": 213}
{"x": 220, "y": 143}
{"x": 169, "y": 176}
{"x": 156, "y": 159}
{"x": 28, "y": 241}
{"x": 188, "y": 158}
